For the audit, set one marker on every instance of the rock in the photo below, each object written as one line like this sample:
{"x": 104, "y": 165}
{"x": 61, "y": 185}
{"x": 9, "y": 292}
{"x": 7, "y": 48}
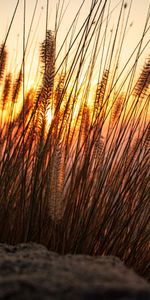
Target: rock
{"x": 30, "y": 271}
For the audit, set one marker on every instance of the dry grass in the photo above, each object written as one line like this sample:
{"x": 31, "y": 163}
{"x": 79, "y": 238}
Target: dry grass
{"x": 80, "y": 183}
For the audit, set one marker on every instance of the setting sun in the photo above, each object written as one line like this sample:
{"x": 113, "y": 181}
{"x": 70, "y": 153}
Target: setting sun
{"x": 75, "y": 127}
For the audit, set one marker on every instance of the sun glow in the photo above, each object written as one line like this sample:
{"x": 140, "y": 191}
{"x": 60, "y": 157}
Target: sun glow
{"x": 49, "y": 117}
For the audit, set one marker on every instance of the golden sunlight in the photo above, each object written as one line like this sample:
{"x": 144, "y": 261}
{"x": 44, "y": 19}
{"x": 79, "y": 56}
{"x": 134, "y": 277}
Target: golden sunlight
{"x": 75, "y": 127}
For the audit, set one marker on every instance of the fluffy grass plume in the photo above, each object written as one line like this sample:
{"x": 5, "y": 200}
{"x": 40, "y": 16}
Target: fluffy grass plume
{"x": 75, "y": 148}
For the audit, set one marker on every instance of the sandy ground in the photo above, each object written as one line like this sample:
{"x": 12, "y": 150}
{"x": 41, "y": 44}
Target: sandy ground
{"x": 30, "y": 271}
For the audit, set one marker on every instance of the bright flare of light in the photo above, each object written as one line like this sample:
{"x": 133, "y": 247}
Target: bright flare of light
{"x": 49, "y": 117}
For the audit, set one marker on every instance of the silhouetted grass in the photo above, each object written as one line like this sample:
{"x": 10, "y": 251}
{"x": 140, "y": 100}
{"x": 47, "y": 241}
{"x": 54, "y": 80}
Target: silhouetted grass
{"x": 74, "y": 163}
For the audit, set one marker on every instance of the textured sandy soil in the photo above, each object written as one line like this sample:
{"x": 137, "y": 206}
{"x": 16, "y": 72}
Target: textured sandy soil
{"x": 30, "y": 271}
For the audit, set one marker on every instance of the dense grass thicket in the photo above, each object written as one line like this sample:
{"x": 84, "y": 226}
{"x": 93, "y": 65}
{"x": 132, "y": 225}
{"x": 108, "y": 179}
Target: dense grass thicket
{"x": 75, "y": 160}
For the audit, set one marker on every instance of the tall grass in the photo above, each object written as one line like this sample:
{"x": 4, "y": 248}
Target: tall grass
{"x": 74, "y": 162}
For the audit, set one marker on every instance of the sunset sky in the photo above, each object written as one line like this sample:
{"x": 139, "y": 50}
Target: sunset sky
{"x": 14, "y": 42}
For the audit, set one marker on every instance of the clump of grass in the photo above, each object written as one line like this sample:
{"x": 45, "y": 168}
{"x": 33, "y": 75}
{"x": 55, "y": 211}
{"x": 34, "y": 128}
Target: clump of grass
{"x": 74, "y": 163}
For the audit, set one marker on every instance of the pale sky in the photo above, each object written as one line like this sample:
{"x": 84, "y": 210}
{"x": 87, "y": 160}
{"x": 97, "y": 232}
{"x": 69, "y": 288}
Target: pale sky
{"x": 14, "y": 43}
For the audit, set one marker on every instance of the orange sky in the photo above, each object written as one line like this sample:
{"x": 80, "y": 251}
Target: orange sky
{"x": 14, "y": 43}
